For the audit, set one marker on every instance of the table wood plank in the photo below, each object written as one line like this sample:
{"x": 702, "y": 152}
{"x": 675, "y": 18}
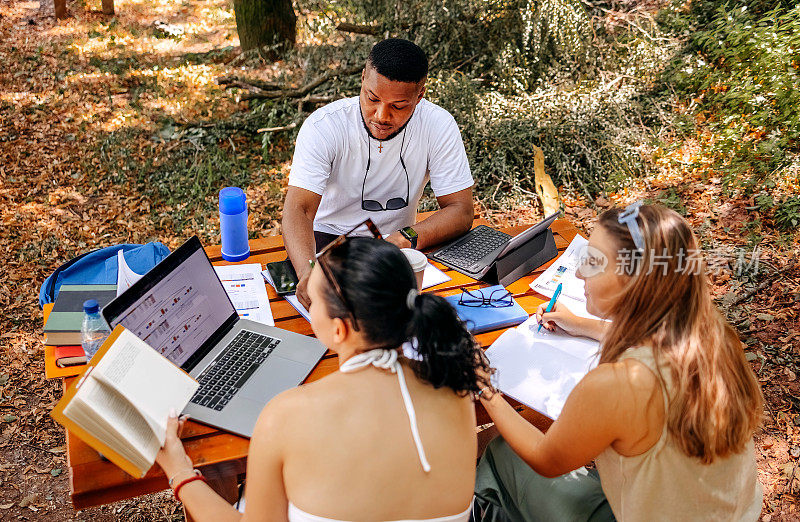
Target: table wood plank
{"x": 94, "y": 481}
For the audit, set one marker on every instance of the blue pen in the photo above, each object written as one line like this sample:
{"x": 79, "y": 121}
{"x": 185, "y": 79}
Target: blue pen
{"x": 551, "y": 304}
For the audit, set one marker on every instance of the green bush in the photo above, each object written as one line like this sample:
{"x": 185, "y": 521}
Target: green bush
{"x": 741, "y": 70}
{"x": 585, "y": 134}
{"x": 514, "y": 73}
{"x": 787, "y": 214}
{"x": 512, "y": 43}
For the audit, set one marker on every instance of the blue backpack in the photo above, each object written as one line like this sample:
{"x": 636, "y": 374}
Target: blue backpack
{"x": 99, "y": 267}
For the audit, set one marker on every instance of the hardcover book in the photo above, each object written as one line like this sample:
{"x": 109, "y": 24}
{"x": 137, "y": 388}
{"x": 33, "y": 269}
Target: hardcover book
{"x": 120, "y": 404}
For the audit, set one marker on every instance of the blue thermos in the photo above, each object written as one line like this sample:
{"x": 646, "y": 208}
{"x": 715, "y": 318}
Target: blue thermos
{"x": 233, "y": 224}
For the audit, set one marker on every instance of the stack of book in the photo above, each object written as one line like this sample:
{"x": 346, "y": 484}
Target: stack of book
{"x": 63, "y": 324}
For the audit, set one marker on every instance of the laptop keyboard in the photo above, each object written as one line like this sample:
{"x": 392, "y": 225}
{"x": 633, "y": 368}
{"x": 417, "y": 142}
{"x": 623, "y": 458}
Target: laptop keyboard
{"x": 467, "y": 254}
{"x": 225, "y": 376}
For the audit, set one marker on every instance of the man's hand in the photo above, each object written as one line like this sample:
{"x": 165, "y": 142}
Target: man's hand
{"x": 302, "y": 290}
{"x": 453, "y": 219}
{"x": 399, "y": 240}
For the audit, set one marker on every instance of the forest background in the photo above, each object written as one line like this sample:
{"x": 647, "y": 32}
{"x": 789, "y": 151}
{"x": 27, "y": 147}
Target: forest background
{"x": 124, "y": 128}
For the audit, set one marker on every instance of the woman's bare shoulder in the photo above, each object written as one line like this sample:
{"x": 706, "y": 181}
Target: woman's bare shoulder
{"x": 297, "y": 403}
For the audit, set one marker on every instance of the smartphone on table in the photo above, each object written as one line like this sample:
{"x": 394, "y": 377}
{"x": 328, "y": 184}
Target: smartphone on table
{"x": 283, "y": 276}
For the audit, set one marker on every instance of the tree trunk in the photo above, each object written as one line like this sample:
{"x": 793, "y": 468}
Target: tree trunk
{"x": 265, "y": 23}
{"x": 61, "y": 8}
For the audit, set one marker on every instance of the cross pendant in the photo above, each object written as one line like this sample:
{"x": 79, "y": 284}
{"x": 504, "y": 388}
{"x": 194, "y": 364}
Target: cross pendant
{"x": 380, "y": 146}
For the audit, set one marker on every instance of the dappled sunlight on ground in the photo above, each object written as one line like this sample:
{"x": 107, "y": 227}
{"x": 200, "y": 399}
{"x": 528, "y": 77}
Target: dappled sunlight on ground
{"x": 107, "y": 135}
{"x": 119, "y": 63}
{"x": 74, "y": 91}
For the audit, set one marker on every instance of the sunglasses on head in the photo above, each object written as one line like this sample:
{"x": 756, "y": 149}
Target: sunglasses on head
{"x": 322, "y": 256}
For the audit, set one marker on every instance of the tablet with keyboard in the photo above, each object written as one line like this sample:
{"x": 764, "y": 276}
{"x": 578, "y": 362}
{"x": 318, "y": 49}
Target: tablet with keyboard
{"x": 474, "y": 252}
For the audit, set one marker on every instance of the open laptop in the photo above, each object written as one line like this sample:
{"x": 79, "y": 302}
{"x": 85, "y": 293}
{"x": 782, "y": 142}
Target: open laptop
{"x": 474, "y": 252}
{"x": 181, "y": 309}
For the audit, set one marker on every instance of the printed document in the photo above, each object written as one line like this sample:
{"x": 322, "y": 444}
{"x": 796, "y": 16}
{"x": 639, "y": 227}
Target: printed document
{"x": 540, "y": 368}
{"x": 563, "y": 270}
{"x": 244, "y": 286}
{"x": 432, "y": 276}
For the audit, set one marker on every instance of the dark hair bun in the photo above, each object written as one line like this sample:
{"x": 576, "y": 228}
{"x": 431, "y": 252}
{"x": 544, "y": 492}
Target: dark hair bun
{"x": 376, "y": 279}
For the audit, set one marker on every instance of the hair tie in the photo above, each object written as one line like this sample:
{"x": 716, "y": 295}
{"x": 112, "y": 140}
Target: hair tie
{"x": 411, "y": 298}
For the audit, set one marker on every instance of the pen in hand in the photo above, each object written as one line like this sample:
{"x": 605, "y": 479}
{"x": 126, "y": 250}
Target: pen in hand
{"x": 551, "y": 304}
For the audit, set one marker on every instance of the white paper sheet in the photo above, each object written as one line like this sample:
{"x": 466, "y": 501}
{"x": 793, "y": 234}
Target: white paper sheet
{"x": 125, "y": 276}
{"x": 540, "y": 369}
{"x": 290, "y": 298}
{"x": 245, "y": 287}
{"x": 433, "y": 276}
{"x": 563, "y": 271}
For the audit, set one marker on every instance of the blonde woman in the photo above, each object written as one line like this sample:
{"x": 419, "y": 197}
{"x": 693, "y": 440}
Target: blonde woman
{"x": 669, "y": 413}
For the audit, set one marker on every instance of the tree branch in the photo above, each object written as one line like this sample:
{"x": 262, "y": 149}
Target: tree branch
{"x": 358, "y": 29}
{"x": 232, "y": 78}
{"x": 255, "y": 91}
{"x": 276, "y": 129}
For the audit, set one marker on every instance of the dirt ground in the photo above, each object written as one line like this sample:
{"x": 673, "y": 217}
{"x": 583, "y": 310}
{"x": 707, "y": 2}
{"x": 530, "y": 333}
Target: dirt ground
{"x": 60, "y": 96}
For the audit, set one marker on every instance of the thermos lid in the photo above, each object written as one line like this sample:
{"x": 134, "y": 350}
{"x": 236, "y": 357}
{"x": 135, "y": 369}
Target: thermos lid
{"x": 232, "y": 200}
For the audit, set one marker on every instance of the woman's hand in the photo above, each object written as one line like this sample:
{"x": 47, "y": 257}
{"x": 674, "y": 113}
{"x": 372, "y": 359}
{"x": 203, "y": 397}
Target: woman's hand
{"x": 172, "y": 457}
{"x": 483, "y": 375}
{"x": 561, "y": 319}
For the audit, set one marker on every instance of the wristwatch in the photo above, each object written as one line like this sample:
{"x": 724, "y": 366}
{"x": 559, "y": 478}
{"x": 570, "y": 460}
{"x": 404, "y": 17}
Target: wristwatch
{"x": 410, "y": 234}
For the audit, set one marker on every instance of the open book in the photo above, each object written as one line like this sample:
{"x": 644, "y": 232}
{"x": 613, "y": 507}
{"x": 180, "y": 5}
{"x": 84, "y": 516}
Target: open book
{"x": 120, "y": 404}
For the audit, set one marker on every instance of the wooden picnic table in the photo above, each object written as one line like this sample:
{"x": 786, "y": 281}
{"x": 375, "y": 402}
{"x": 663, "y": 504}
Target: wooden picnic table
{"x": 222, "y": 456}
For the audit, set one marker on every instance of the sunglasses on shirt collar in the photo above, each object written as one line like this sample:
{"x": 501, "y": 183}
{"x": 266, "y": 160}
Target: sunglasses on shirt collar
{"x": 323, "y": 254}
{"x": 371, "y": 205}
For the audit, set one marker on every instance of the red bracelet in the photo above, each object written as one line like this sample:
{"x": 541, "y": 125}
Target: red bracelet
{"x": 197, "y": 476}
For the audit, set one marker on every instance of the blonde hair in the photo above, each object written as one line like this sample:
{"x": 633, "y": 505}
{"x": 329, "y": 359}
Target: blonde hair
{"x": 715, "y": 403}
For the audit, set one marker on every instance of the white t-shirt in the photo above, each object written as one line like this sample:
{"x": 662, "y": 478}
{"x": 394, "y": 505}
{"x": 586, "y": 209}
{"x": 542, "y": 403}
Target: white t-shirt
{"x": 330, "y": 159}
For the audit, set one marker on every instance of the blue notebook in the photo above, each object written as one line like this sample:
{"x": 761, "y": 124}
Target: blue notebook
{"x": 483, "y": 318}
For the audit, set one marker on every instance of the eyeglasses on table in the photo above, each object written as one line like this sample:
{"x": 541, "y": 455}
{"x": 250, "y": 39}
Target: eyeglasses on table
{"x": 499, "y": 298}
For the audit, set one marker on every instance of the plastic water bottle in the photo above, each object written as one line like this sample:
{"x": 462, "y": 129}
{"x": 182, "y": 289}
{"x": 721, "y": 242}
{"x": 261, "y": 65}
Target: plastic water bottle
{"x": 94, "y": 329}
{"x": 233, "y": 224}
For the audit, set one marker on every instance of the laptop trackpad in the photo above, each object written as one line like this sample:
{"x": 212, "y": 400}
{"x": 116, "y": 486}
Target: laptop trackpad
{"x": 278, "y": 374}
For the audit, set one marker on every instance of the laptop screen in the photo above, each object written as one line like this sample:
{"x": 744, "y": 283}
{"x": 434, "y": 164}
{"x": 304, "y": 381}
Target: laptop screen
{"x": 177, "y": 307}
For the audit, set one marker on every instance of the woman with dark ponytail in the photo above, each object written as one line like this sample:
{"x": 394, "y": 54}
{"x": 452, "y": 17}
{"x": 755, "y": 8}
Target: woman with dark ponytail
{"x": 384, "y": 438}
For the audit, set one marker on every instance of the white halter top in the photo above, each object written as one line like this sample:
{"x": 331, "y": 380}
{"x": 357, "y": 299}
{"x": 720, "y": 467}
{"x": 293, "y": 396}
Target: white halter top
{"x": 298, "y": 515}
{"x": 387, "y": 360}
